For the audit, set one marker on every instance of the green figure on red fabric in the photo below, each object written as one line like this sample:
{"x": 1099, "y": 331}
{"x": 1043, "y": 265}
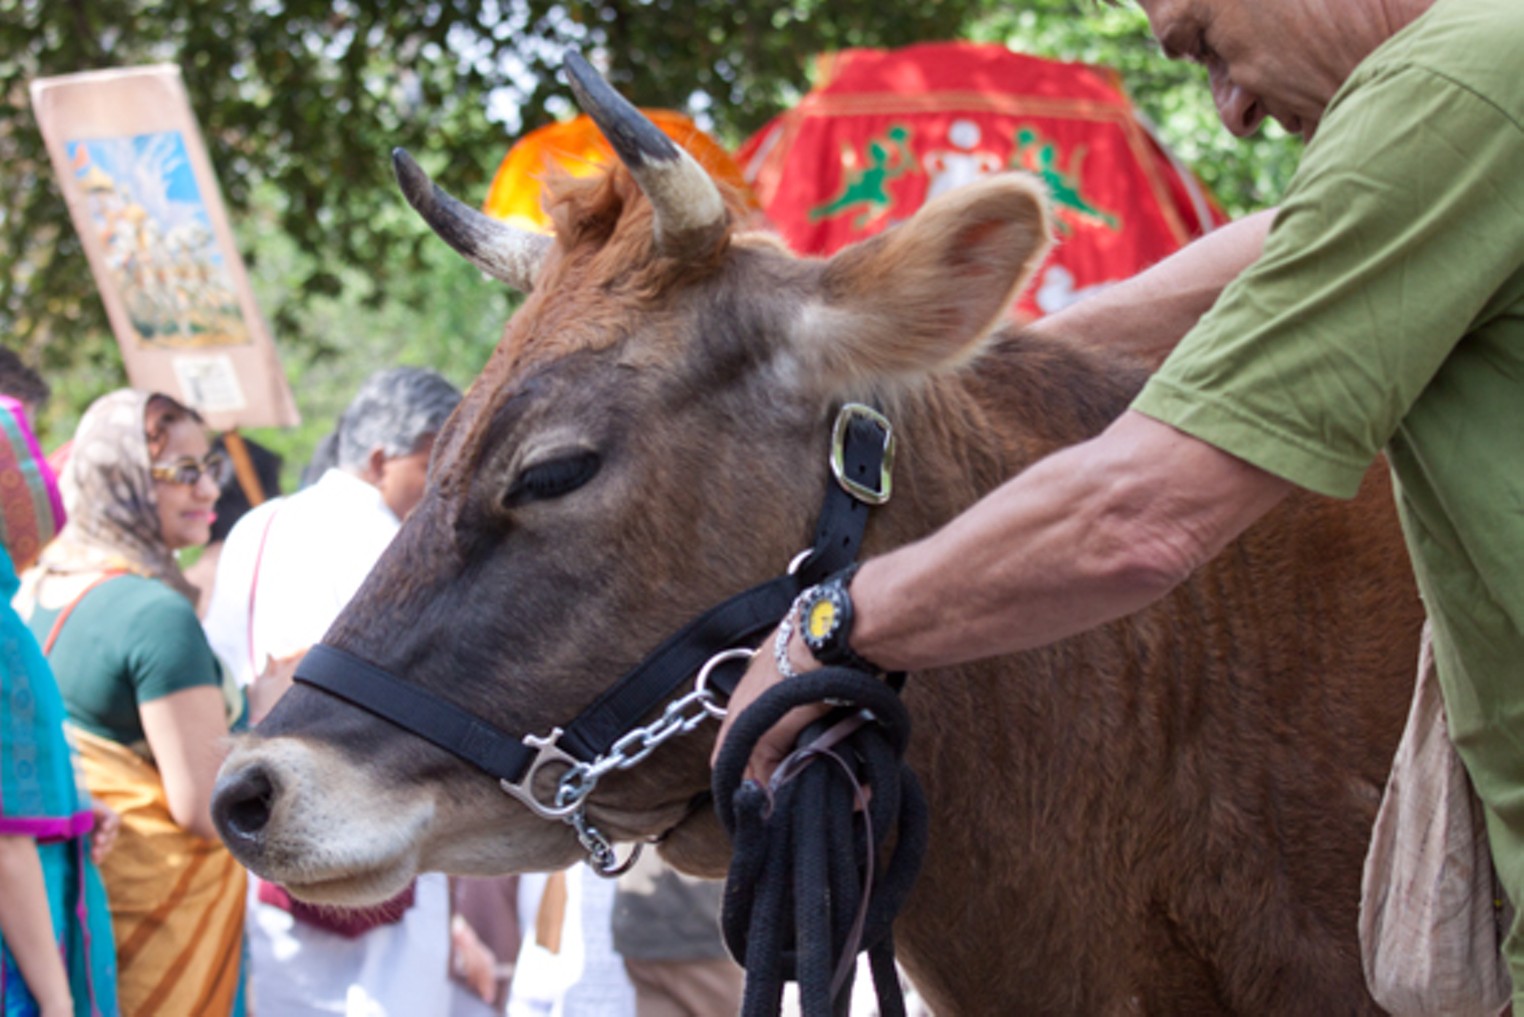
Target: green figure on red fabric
{"x": 1036, "y": 155}
{"x": 888, "y": 157}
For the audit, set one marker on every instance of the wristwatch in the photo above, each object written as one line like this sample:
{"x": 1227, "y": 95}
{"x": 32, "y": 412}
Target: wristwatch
{"x": 825, "y": 622}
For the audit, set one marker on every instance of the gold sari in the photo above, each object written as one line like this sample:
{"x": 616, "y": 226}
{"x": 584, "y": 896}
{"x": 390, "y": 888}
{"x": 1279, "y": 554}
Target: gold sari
{"x": 177, "y": 900}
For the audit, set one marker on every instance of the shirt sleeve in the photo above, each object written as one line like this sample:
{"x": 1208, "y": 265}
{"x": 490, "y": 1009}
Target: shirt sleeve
{"x": 169, "y": 652}
{"x": 1396, "y": 235}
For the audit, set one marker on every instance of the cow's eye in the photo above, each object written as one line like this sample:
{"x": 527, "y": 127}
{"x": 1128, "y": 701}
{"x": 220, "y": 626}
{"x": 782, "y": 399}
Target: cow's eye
{"x": 553, "y": 479}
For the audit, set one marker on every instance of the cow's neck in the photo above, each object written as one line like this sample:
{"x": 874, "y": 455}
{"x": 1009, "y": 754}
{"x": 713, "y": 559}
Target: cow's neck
{"x": 964, "y": 434}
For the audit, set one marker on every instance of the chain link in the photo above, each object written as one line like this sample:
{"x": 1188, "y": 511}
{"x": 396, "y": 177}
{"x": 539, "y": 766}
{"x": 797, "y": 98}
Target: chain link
{"x": 601, "y": 855}
{"x": 680, "y": 717}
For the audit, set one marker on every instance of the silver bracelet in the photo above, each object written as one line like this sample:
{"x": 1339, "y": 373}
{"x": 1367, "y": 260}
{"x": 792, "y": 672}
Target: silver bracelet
{"x": 780, "y": 644}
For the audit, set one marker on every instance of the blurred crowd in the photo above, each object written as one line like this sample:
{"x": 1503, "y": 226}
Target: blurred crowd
{"x": 123, "y": 676}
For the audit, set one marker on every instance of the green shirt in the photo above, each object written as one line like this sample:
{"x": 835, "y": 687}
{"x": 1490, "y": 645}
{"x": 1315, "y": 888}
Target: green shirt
{"x": 130, "y": 640}
{"x": 1387, "y": 312}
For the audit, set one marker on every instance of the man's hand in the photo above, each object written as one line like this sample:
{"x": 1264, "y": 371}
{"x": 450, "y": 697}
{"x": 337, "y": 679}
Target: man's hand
{"x": 472, "y": 960}
{"x": 778, "y": 742}
{"x": 271, "y": 683}
{"x": 107, "y": 824}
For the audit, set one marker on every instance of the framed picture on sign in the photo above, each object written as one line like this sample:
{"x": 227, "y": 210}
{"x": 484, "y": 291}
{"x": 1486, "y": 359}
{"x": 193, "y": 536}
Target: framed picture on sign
{"x": 142, "y": 195}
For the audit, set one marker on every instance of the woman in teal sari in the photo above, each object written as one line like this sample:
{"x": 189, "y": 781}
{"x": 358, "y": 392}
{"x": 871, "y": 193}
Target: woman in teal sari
{"x": 56, "y": 951}
{"x": 44, "y": 814}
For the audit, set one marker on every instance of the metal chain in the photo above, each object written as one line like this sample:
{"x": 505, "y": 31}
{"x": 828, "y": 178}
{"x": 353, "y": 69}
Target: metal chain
{"x": 680, "y": 717}
{"x": 601, "y": 855}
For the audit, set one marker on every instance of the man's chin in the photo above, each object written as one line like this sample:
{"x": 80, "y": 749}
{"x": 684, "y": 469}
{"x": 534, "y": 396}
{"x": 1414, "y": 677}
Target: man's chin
{"x": 1303, "y": 126}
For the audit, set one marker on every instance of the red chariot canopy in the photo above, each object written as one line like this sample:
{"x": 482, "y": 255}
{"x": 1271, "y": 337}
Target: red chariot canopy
{"x": 889, "y": 129}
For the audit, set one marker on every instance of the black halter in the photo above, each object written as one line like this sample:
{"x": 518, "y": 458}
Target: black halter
{"x": 715, "y": 646}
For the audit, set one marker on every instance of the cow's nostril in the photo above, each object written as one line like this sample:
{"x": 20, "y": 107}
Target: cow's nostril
{"x": 241, "y": 806}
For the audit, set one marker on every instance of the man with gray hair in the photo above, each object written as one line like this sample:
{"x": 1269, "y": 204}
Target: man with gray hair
{"x": 387, "y": 432}
{"x": 288, "y": 568}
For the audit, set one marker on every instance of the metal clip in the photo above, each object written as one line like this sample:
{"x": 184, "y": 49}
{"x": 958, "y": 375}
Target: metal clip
{"x": 849, "y": 413}
{"x": 546, "y": 753}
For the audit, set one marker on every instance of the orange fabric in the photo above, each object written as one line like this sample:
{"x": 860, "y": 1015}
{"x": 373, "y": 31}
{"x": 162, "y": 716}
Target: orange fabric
{"x": 577, "y": 147}
{"x": 31, "y": 506}
{"x": 177, "y": 900}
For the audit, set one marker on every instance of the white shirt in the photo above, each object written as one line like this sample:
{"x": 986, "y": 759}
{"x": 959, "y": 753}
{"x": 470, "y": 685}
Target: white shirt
{"x": 318, "y": 546}
{"x": 312, "y": 551}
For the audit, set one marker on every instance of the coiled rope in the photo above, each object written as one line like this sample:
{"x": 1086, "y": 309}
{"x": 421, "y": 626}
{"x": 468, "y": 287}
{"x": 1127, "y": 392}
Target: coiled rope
{"x": 805, "y": 893}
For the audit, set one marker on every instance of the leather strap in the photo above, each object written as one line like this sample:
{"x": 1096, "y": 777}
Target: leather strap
{"x": 413, "y": 709}
{"x": 843, "y": 518}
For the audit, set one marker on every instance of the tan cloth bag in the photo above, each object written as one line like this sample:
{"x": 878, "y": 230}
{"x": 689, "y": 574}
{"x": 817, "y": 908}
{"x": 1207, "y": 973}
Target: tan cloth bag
{"x": 1432, "y": 915}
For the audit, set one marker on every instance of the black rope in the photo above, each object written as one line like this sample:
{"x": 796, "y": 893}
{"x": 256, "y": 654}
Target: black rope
{"x": 806, "y": 893}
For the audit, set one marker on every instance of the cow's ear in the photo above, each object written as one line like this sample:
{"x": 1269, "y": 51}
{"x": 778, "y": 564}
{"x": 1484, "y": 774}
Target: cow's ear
{"x": 922, "y": 296}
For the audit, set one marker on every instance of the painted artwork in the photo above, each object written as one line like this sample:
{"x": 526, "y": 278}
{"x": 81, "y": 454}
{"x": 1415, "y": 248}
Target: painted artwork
{"x": 161, "y": 254}
{"x": 143, "y": 198}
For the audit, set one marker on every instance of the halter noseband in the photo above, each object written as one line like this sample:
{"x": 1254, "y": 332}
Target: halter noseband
{"x": 607, "y": 734}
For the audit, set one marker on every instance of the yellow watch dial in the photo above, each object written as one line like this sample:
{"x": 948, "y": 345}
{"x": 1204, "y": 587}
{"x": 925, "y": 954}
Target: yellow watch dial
{"x": 821, "y": 618}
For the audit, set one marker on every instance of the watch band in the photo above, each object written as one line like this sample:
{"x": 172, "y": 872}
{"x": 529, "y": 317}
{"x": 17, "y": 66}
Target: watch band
{"x": 780, "y": 643}
{"x": 832, "y": 645}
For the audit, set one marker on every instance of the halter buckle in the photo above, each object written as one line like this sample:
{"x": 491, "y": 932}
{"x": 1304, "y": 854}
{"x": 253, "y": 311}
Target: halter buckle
{"x": 546, "y": 752}
{"x": 851, "y": 412}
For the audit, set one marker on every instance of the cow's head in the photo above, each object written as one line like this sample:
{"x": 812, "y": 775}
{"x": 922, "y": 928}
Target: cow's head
{"x": 648, "y": 438}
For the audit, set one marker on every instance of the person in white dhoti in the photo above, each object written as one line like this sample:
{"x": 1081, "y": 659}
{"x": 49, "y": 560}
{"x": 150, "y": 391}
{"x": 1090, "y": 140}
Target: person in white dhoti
{"x": 288, "y": 568}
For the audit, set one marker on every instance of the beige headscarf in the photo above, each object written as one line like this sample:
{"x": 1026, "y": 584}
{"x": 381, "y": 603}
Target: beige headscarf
{"x": 109, "y": 495}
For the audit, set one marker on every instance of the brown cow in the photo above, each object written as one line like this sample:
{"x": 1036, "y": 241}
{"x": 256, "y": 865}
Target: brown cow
{"x": 1164, "y": 816}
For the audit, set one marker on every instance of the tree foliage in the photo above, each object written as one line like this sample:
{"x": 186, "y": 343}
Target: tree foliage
{"x": 301, "y": 102}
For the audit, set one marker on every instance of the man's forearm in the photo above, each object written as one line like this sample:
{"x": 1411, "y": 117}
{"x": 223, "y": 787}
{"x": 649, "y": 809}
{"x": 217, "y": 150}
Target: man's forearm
{"x": 1149, "y": 313}
{"x": 1090, "y": 534}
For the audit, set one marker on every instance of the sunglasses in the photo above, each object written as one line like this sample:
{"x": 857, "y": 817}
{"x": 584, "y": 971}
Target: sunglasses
{"x": 189, "y": 470}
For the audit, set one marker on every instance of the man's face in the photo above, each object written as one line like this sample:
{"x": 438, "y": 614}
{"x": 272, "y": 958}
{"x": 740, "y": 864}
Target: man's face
{"x": 402, "y": 479}
{"x": 1283, "y": 59}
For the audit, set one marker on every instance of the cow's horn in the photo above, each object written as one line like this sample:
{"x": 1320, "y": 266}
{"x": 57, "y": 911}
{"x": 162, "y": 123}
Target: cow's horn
{"x": 511, "y": 255}
{"x": 690, "y": 214}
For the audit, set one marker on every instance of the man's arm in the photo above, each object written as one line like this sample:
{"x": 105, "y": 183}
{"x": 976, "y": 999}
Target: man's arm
{"x": 1087, "y": 535}
{"x": 1149, "y": 313}
{"x": 1090, "y": 534}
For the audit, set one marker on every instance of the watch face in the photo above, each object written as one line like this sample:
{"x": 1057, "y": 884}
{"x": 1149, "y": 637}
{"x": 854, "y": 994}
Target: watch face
{"x": 821, "y": 618}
